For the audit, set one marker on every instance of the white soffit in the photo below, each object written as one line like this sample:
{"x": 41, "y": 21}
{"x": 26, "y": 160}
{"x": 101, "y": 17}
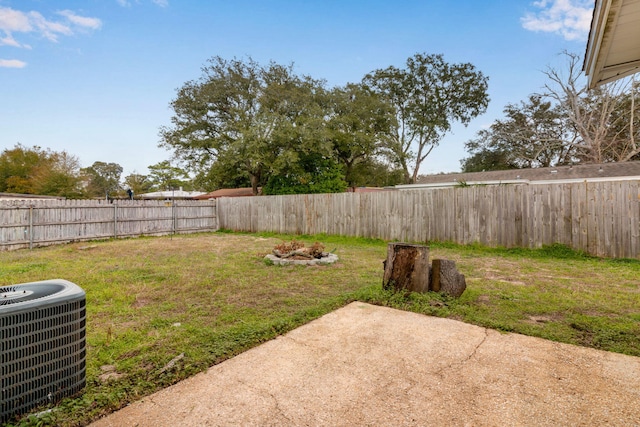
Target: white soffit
{"x": 613, "y": 49}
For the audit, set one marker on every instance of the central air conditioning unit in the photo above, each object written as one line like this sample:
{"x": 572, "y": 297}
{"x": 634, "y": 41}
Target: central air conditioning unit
{"x": 42, "y": 343}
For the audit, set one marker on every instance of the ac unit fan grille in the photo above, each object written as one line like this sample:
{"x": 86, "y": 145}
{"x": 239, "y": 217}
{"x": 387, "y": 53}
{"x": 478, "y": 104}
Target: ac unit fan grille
{"x": 43, "y": 355}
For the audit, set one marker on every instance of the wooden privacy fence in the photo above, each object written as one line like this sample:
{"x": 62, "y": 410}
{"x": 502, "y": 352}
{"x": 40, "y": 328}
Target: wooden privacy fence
{"x": 601, "y": 218}
{"x": 31, "y": 223}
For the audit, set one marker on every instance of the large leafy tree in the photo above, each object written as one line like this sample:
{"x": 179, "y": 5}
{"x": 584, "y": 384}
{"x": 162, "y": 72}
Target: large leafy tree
{"x": 61, "y": 177}
{"x": 137, "y": 183}
{"x": 38, "y": 171}
{"x": 428, "y": 96}
{"x": 16, "y": 167}
{"x": 245, "y": 120}
{"x": 102, "y": 179}
{"x": 534, "y": 133}
{"x": 165, "y": 176}
{"x": 358, "y": 125}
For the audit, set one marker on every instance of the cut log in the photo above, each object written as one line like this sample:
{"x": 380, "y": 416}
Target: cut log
{"x": 297, "y": 252}
{"x": 445, "y": 278}
{"x": 406, "y": 267}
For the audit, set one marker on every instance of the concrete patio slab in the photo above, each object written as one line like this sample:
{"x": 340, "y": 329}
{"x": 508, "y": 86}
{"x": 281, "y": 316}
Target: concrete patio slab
{"x": 364, "y": 365}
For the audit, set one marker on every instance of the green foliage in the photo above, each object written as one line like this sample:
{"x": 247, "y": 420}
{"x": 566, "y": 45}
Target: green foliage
{"x": 242, "y": 123}
{"x": 313, "y": 174}
{"x": 359, "y": 124}
{"x": 16, "y": 166}
{"x": 164, "y": 176}
{"x": 245, "y": 119}
{"x": 103, "y": 179}
{"x": 223, "y": 175}
{"x": 38, "y": 171}
{"x": 138, "y": 183}
{"x": 532, "y": 134}
{"x": 486, "y": 160}
{"x": 375, "y": 173}
{"x": 428, "y": 96}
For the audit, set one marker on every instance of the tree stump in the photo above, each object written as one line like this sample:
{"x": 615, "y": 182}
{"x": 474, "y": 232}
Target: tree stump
{"x": 406, "y": 267}
{"x": 445, "y": 278}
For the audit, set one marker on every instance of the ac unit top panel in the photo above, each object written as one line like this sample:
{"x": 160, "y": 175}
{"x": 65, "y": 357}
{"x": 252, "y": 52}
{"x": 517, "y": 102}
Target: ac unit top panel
{"x": 18, "y": 298}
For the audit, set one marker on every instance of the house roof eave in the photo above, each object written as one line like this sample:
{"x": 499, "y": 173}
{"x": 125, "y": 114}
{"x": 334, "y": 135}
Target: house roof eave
{"x": 613, "y": 47}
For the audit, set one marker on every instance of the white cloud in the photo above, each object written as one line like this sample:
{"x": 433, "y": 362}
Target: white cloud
{"x": 15, "y": 21}
{"x": 127, "y": 3}
{"x": 12, "y": 63}
{"x": 569, "y": 18}
{"x": 9, "y": 41}
{"x": 81, "y": 21}
{"x": 48, "y": 29}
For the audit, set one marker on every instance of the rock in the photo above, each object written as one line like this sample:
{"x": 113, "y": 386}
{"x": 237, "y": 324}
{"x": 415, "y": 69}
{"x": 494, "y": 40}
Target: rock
{"x": 329, "y": 259}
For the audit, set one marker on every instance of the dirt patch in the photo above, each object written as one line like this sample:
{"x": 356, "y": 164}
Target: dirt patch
{"x": 584, "y": 334}
{"x": 541, "y": 319}
{"x": 141, "y": 302}
{"x": 127, "y": 355}
{"x": 109, "y": 373}
{"x": 512, "y": 282}
{"x": 86, "y": 248}
{"x": 484, "y": 299}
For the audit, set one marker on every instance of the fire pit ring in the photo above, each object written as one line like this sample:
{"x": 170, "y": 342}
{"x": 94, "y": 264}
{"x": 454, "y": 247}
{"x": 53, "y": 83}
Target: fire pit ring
{"x": 329, "y": 259}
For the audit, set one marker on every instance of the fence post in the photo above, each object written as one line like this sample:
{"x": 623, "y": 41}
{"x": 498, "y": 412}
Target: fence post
{"x": 217, "y": 209}
{"x": 173, "y": 216}
{"x": 115, "y": 221}
{"x": 30, "y": 227}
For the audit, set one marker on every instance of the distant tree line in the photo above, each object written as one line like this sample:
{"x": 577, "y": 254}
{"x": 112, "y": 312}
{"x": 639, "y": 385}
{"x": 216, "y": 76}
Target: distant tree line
{"x": 565, "y": 124}
{"x": 38, "y": 171}
{"x": 33, "y": 170}
{"x": 245, "y": 124}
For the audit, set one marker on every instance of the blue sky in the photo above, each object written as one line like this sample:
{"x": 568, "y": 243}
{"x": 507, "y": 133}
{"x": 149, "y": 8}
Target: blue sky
{"x": 95, "y": 77}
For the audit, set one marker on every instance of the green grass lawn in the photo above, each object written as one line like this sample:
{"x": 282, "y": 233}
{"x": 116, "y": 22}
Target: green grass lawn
{"x": 201, "y": 299}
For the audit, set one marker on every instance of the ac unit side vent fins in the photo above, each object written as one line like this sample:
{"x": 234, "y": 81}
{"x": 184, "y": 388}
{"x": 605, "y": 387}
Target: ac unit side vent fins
{"x": 42, "y": 345}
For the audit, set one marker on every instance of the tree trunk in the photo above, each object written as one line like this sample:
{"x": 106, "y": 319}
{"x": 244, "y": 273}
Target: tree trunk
{"x": 445, "y": 278}
{"x": 406, "y": 267}
{"x": 255, "y": 180}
